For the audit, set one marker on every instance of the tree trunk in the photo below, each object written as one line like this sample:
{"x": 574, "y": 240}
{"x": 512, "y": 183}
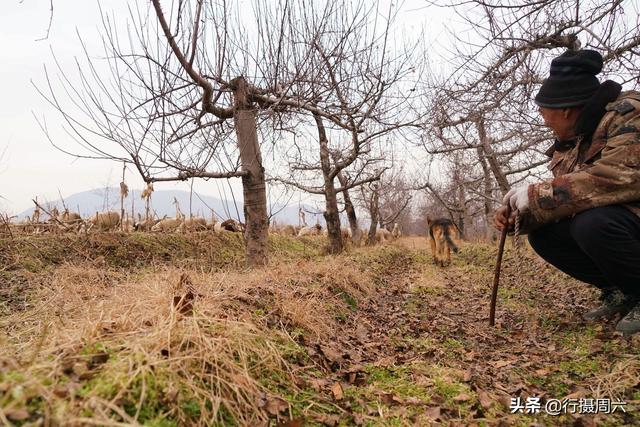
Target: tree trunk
{"x": 490, "y": 233}
{"x": 122, "y": 224}
{"x": 350, "y": 210}
{"x": 490, "y": 155}
{"x": 331, "y": 215}
{"x": 373, "y": 212}
{"x": 191, "y": 200}
{"x": 253, "y": 184}
{"x": 462, "y": 213}
{"x": 332, "y": 218}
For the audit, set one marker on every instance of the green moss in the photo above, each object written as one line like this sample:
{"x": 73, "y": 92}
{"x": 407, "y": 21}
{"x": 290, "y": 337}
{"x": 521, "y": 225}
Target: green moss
{"x": 579, "y": 340}
{"x": 287, "y": 248}
{"x": 191, "y": 408}
{"x": 397, "y": 380}
{"x": 452, "y": 344}
{"x": 447, "y": 389}
{"x": 581, "y": 368}
{"x": 554, "y": 384}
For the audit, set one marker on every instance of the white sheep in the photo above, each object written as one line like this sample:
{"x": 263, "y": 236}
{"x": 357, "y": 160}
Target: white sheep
{"x": 104, "y": 221}
{"x": 193, "y": 224}
{"x": 167, "y": 225}
{"x": 382, "y": 235}
{"x": 289, "y": 230}
{"x": 145, "y": 224}
{"x": 315, "y": 230}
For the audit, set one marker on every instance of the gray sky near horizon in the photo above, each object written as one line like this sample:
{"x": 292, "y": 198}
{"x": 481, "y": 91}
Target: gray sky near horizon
{"x": 31, "y": 166}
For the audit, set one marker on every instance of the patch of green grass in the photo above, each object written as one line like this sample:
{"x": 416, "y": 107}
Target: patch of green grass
{"x": 452, "y": 344}
{"x": 581, "y": 368}
{"x": 553, "y": 384}
{"x": 349, "y": 300}
{"x": 420, "y": 257}
{"x": 141, "y": 392}
{"x": 579, "y": 340}
{"x": 191, "y": 408}
{"x": 287, "y": 248}
{"x": 423, "y": 345}
{"x": 397, "y": 380}
{"x": 447, "y": 389}
{"x": 341, "y": 316}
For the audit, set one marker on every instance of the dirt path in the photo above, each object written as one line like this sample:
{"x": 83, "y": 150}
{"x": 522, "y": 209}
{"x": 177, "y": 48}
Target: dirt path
{"x": 422, "y": 349}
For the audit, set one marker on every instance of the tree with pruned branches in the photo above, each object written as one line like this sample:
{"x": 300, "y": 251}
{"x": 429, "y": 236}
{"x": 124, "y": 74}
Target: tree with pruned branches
{"x": 193, "y": 75}
{"x": 483, "y": 105}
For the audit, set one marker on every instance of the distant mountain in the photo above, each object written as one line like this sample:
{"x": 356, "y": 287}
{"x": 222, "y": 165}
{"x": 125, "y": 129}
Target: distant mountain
{"x": 87, "y": 203}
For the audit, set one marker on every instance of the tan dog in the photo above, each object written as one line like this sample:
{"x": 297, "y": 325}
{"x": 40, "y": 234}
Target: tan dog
{"x": 442, "y": 233}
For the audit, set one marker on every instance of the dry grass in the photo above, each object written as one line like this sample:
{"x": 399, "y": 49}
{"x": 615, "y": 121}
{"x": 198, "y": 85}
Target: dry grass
{"x": 378, "y": 336}
{"x": 105, "y": 347}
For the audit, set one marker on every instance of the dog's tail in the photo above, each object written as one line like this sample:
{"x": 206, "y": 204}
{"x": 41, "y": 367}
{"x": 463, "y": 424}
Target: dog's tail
{"x": 447, "y": 236}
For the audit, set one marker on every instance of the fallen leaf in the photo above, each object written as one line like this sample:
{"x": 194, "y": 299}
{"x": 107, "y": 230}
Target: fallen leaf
{"x": 318, "y": 383}
{"x": 358, "y": 419}
{"x": 336, "y": 389}
{"x": 184, "y": 303}
{"x": 485, "y": 399}
{"x": 328, "y": 420}
{"x": 99, "y": 359}
{"x": 80, "y": 368}
{"x": 17, "y": 414}
{"x": 275, "y": 406}
{"x": 462, "y": 397}
{"x": 433, "y": 412}
{"x": 501, "y": 363}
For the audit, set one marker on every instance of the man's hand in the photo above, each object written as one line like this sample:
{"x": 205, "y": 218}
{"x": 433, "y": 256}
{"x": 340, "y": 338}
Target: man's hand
{"x": 517, "y": 198}
{"x": 500, "y": 219}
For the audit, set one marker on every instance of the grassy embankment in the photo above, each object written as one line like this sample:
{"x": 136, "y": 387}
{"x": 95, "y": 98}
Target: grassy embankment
{"x": 171, "y": 330}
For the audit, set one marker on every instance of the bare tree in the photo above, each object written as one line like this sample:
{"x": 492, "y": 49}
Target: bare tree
{"x": 189, "y": 78}
{"x": 484, "y": 104}
{"x": 385, "y": 201}
{"x": 366, "y": 87}
{"x": 395, "y": 197}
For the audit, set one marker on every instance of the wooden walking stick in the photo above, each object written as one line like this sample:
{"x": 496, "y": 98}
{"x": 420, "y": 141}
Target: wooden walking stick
{"x": 496, "y": 275}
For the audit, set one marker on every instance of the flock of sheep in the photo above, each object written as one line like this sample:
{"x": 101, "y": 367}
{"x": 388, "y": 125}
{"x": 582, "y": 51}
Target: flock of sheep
{"x": 56, "y": 222}
{"x": 382, "y": 234}
{"x": 111, "y": 221}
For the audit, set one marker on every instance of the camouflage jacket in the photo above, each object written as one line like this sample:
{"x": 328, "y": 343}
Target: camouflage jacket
{"x": 606, "y": 172}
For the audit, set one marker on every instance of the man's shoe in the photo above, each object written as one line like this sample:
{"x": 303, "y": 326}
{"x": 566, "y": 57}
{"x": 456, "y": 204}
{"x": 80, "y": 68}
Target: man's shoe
{"x": 613, "y": 302}
{"x": 630, "y": 324}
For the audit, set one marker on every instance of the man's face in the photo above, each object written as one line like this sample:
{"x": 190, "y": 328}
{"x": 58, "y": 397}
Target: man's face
{"x": 560, "y": 120}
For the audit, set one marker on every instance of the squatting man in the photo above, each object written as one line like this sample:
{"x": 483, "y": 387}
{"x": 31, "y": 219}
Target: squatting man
{"x": 586, "y": 220}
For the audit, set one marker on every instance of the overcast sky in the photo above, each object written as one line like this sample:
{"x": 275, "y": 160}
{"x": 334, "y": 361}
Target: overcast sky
{"x": 31, "y": 166}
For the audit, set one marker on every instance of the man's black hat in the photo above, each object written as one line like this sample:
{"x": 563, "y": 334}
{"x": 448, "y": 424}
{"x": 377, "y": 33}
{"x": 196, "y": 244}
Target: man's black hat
{"x": 572, "y": 79}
